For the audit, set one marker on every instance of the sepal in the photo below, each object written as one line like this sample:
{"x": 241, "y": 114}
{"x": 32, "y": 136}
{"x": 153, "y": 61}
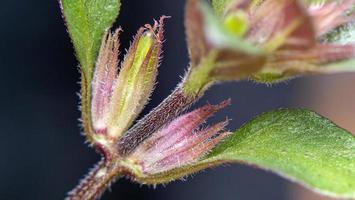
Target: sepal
{"x": 118, "y": 98}
{"x": 180, "y": 142}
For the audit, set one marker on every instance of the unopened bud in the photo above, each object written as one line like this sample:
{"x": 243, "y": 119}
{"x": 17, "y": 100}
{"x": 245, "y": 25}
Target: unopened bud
{"x": 119, "y": 98}
{"x": 180, "y": 142}
{"x": 268, "y": 41}
{"x": 104, "y": 78}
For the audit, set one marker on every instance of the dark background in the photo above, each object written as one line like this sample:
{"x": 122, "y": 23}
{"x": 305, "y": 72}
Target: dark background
{"x": 42, "y": 152}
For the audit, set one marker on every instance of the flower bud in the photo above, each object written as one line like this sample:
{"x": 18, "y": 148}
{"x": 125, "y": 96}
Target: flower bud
{"x": 104, "y": 78}
{"x": 268, "y": 40}
{"x": 119, "y": 98}
{"x": 216, "y": 47}
{"x": 180, "y": 142}
{"x": 322, "y": 57}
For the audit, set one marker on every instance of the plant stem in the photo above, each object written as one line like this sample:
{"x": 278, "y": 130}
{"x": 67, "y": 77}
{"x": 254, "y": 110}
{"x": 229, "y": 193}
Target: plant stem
{"x": 96, "y": 182}
{"x": 86, "y": 106}
{"x": 177, "y": 102}
{"x": 170, "y": 108}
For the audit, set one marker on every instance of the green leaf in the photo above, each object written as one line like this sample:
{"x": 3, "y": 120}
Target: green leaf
{"x": 297, "y": 144}
{"x": 87, "y": 20}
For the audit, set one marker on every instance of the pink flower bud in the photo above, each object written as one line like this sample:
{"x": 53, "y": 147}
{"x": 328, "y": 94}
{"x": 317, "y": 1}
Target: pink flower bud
{"x": 180, "y": 142}
{"x": 104, "y": 78}
{"x": 118, "y": 98}
{"x": 289, "y": 34}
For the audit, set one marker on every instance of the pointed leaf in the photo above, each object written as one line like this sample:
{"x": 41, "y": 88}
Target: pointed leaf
{"x": 87, "y": 21}
{"x": 297, "y": 144}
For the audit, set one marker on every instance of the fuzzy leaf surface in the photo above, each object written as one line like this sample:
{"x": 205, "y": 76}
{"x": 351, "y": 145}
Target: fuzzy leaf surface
{"x": 297, "y": 144}
{"x": 87, "y": 20}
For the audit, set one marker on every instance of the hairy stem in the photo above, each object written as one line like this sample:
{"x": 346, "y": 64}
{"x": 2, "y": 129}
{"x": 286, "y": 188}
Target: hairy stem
{"x": 178, "y": 101}
{"x": 95, "y": 183}
{"x": 85, "y": 95}
{"x": 170, "y": 108}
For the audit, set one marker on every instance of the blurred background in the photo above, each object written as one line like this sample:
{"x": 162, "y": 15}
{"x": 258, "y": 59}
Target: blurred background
{"x": 42, "y": 152}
